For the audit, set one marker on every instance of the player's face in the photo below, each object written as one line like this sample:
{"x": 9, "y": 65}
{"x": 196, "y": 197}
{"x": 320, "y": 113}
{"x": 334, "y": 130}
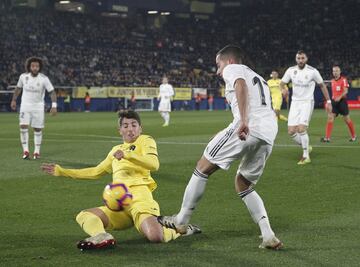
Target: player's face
{"x": 165, "y": 80}
{"x": 274, "y": 75}
{"x": 34, "y": 68}
{"x": 301, "y": 60}
{"x": 130, "y": 130}
{"x": 336, "y": 72}
{"x": 221, "y": 64}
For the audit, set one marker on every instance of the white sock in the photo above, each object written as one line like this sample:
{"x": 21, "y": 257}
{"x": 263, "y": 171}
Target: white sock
{"x": 24, "y": 138}
{"x": 193, "y": 193}
{"x": 167, "y": 117}
{"x": 257, "y": 211}
{"x": 296, "y": 138}
{"x": 37, "y": 141}
{"x": 305, "y": 144}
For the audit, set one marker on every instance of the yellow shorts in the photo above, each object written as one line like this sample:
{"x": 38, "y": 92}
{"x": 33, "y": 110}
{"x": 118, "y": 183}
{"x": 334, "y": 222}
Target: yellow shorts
{"x": 143, "y": 206}
{"x": 276, "y": 101}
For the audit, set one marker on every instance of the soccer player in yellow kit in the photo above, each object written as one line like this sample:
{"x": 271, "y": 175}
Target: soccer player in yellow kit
{"x": 130, "y": 163}
{"x": 276, "y": 95}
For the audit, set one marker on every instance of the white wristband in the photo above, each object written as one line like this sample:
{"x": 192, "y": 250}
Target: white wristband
{"x": 328, "y": 101}
{"x": 53, "y": 105}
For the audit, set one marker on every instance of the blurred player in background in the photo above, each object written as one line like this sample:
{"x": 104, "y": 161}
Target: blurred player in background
{"x": 166, "y": 92}
{"x": 303, "y": 78}
{"x": 130, "y": 163}
{"x": 33, "y": 85}
{"x": 276, "y": 95}
{"x": 339, "y": 89}
{"x": 250, "y": 137}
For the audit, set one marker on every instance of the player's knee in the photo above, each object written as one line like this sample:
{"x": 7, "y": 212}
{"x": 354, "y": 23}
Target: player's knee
{"x": 155, "y": 236}
{"x": 37, "y": 129}
{"x": 79, "y": 217}
{"x": 292, "y": 131}
{"x": 22, "y": 126}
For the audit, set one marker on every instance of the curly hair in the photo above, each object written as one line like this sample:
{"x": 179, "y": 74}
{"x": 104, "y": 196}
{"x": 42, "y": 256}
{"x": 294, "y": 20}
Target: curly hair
{"x": 31, "y": 60}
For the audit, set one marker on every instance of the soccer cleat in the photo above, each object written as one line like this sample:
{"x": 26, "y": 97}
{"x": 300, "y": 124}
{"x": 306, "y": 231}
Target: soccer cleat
{"x": 99, "y": 241}
{"x": 165, "y": 124}
{"x": 324, "y": 140}
{"x": 192, "y": 229}
{"x": 310, "y": 149}
{"x": 304, "y": 161}
{"x": 353, "y": 139}
{"x": 170, "y": 222}
{"x": 272, "y": 243}
{"x": 36, "y": 156}
{"x": 26, "y": 155}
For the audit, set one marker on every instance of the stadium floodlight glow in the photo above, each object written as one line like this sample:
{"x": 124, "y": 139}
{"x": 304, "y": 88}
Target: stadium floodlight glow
{"x": 152, "y": 12}
{"x": 64, "y": 2}
{"x": 165, "y": 13}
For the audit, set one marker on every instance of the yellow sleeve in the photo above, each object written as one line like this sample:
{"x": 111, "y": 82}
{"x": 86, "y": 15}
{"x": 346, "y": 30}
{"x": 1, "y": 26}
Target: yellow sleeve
{"x": 149, "y": 159}
{"x": 101, "y": 169}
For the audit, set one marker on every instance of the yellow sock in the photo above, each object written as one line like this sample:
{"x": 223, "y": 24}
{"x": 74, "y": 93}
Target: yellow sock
{"x": 90, "y": 223}
{"x": 282, "y": 117}
{"x": 170, "y": 234}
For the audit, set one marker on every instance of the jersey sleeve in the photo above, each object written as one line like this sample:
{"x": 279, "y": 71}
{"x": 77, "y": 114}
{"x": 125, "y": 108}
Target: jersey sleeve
{"x": 149, "y": 157}
{"x": 345, "y": 83}
{"x": 172, "y": 92}
{"x": 48, "y": 85}
{"x": 317, "y": 77}
{"x": 233, "y": 72}
{"x": 96, "y": 172}
{"x": 286, "y": 78}
{"x": 20, "y": 83}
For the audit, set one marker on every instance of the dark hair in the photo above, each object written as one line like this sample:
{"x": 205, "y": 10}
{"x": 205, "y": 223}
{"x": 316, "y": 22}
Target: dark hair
{"x": 299, "y": 52}
{"x": 130, "y": 114}
{"x": 336, "y": 66}
{"x": 237, "y": 53}
{"x": 275, "y": 70}
{"x": 31, "y": 60}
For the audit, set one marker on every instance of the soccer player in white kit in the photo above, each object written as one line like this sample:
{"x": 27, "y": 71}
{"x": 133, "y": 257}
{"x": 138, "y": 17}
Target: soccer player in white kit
{"x": 249, "y": 137}
{"x": 33, "y": 85}
{"x": 303, "y": 78}
{"x": 166, "y": 92}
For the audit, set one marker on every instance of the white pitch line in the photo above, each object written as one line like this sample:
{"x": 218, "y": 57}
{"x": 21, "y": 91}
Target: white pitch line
{"x": 170, "y": 142}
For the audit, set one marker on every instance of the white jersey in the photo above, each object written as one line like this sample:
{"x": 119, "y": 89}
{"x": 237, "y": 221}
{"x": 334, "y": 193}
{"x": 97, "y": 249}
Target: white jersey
{"x": 262, "y": 118}
{"x": 166, "y": 91}
{"x": 33, "y": 91}
{"x": 303, "y": 81}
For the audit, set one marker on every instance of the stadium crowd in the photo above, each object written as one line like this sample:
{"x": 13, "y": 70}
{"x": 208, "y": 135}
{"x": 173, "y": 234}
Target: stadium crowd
{"x": 92, "y": 50}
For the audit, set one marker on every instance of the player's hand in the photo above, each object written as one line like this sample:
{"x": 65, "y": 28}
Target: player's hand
{"x": 328, "y": 107}
{"x": 285, "y": 93}
{"x": 53, "y": 111}
{"x": 243, "y": 131}
{"x": 337, "y": 99}
{"x": 48, "y": 168}
{"x": 119, "y": 154}
{"x": 13, "y": 105}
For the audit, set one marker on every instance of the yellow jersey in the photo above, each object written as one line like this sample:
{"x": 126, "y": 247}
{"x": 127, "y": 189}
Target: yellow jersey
{"x": 274, "y": 86}
{"x": 140, "y": 158}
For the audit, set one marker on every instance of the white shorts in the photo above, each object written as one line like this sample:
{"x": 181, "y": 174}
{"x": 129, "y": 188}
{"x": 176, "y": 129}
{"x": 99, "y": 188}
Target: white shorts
{"x": 164, "y": 105}
{"x": 300, "y": 112}
{"x": 227, "y": 147}
{"x": 33, "y": 118}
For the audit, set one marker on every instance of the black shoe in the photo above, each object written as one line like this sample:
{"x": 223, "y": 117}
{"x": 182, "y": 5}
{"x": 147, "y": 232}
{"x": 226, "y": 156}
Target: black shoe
{"x": 324, "y": 140}
{"x": 353, "y": 139}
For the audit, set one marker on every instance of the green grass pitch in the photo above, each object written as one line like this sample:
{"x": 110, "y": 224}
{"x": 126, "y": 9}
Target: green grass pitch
{"x": 314, "y": 209}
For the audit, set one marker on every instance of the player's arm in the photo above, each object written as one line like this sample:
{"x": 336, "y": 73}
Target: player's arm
{"x": 86, "y": 173}
{"x": 50, "y": 88}
{"x": 325, "y": 92}
{"x": 241, "y": 91}
{"x": 17, "y": 92}
{"x": 285, "y": 80}
{"x": 148, "y": 159}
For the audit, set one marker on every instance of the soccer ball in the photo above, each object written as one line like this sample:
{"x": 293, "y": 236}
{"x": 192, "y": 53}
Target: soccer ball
{"x": 116, "y": 196}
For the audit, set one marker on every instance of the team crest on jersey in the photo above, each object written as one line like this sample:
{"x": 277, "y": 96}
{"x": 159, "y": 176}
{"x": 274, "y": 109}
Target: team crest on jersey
{"x": 306, "y": 77}
{"x": 295, "y": 72}
{"x": 132, "y": 147}
{"x": 26, "y": 79}
{"x": 38, "y": 84}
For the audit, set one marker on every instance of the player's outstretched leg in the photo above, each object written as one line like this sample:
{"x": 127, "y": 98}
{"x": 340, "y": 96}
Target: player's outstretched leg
{"x": 258, "y": 212}
{"x": 351, "y": 128}
{"x": 91, "y": 222}
{"x": 193, "y": 193}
